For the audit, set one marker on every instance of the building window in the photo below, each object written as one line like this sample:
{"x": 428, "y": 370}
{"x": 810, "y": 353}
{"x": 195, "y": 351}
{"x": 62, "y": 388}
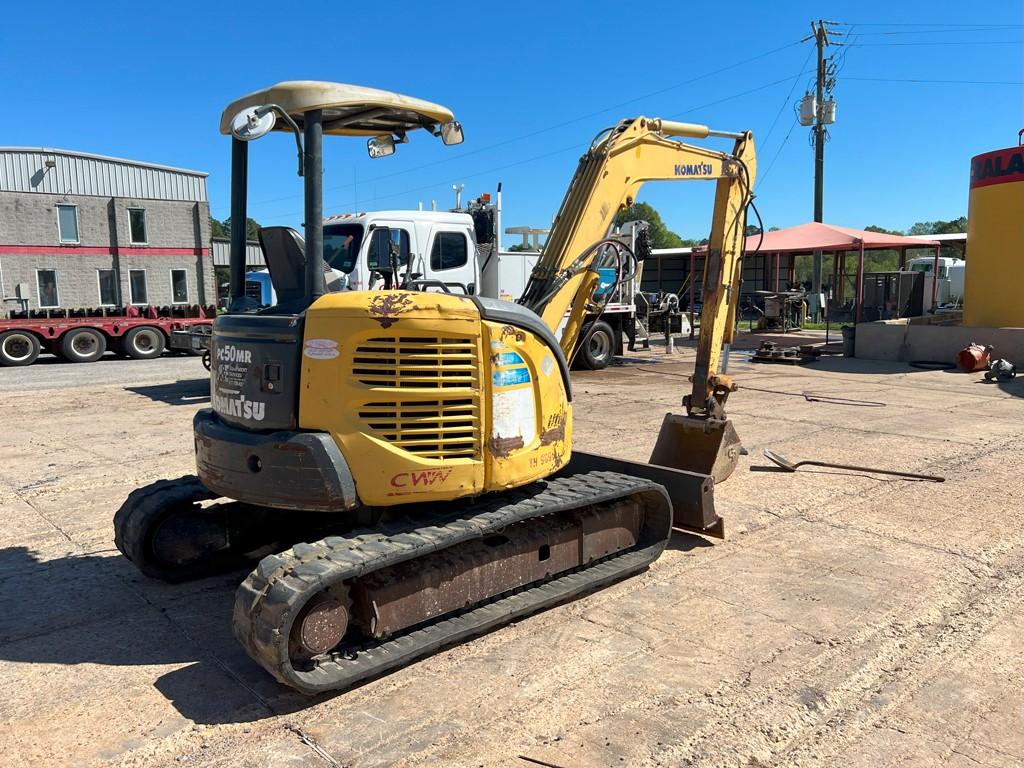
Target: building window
{"x": 137, "y": 286}
{"x": 67, "y": 223}
{"x": 107, "y": 280}
{"x": 179, "y": 286}
{"x": 449, "y": 251}
{"x": 137, "y": 226}
{"x": 46, "y": 281}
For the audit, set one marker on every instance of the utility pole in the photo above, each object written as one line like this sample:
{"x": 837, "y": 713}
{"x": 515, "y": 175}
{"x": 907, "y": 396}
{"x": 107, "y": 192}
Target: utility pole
{"x": 824, "y": 113}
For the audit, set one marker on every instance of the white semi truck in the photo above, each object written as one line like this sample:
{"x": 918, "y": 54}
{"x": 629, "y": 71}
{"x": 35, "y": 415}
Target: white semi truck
{"x": 457, "y": 252}
{"x": 950, "y": 290}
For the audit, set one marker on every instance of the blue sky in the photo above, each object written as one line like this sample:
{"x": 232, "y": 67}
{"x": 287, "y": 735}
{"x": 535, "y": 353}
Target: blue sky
{"x": 532, "y": 83}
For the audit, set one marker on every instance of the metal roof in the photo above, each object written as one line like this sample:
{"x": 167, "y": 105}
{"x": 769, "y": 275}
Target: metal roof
{"x": 814, "y": 235}
{"x": 220, "y": 249}
{"x": 26, "y": 169}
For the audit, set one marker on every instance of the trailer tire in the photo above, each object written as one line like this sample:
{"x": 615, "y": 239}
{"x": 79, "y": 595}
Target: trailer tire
{"x": 82, "y": 345}
{"x": 144, "y": 343}
{"x": 18, "y": 348}
{"x": 598, "y": 346}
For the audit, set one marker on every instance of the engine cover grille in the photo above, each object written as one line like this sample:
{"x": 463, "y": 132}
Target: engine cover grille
{"x": 416, "y": 363}
{"x": 433, "y": 405}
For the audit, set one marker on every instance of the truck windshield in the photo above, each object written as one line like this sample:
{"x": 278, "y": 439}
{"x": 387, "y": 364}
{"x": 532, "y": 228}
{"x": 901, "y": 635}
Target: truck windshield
{"x": 341, "y": 246}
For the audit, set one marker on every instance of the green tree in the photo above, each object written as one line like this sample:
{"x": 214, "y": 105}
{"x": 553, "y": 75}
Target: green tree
{"x": 519, "y": 247}
{"x": 661, "y": 236}
{"x": 252, "y": 228}
{"x": 217, "y": 228}
{"x": 882, "y": 230}
{"x": 939, "y": 227}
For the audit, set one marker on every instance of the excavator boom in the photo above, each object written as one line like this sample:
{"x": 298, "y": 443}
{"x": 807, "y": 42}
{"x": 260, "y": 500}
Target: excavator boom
{"x": 608, "y": 178}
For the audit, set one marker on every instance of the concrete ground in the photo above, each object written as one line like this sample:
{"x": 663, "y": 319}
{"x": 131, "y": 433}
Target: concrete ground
{"x": 847, "y": 619}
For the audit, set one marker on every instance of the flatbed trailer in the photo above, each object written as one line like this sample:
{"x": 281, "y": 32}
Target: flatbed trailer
{"x": 85, "y": 339}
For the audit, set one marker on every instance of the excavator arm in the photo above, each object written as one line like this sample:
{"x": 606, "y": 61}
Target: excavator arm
{"x": 608, "y": 178}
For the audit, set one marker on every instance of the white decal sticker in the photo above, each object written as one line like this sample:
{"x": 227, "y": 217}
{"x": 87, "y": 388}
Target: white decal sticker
{"x": 318, "y": 353}
{"x": 514, "y": 414}
{"x": 320, "y": 349}
{"x": 322, "y": 343}
{"x": 547, "y": 365}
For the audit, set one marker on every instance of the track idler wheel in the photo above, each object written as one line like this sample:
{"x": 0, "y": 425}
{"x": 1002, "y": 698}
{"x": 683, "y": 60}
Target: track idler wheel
{"x": 168, "y": 535}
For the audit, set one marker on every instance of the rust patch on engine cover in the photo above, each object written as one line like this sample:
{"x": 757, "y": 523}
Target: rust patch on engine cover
{"x": 386, "y": 307}
{"x": 503, "y": 446}
{"x": 511, "y": 330}
{"x": 555, "y": 432}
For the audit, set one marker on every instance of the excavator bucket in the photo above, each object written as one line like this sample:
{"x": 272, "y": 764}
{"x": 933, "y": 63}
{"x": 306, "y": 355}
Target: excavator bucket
{"x": 696, "y": 444}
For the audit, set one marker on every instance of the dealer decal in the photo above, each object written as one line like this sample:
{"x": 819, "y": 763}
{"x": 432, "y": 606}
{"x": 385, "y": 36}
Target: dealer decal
{"x": 320, "y": 349}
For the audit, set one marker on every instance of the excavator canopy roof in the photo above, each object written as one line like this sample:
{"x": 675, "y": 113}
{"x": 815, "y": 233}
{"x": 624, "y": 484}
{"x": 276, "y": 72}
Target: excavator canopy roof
{"x": 348, "y": 110}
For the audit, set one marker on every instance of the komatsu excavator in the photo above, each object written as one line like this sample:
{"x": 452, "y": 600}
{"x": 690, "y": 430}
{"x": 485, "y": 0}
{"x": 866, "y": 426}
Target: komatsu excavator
{"x": 422, "y": 440}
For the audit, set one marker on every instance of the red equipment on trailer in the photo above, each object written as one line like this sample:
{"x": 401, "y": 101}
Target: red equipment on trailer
{"x": 139, "y": 334}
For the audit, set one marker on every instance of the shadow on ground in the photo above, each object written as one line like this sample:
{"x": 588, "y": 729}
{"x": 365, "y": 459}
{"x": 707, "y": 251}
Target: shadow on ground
{"x": 97, "y": 609}
{"x": 181, "y": 392}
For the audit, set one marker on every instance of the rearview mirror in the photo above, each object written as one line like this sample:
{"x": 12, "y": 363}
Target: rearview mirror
{"x": 451, "y": 133}
{"x": 249, "y": 124}
{"x": 381, "y": 146}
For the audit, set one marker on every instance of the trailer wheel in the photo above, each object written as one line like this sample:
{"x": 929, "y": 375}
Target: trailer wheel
{"x": 18, "y": 348}
{"x": 82, "y": 345}
{"x": 144, "y": 343}
{"x": 598, "y": 346}
{"x": 207, "y": 360}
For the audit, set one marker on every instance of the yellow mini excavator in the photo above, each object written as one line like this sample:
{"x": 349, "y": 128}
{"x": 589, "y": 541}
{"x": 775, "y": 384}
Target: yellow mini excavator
{"x": 421, "y": 440}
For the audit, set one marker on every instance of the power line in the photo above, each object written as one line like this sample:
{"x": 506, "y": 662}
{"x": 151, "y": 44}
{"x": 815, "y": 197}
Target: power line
{"x": 785, "y": 101}
{"x": 549, "y": 128}
{"x": 763, "y": 176}
{"x": 944, "y": 82}
{"x": 577, "y": 147}
{"x": 945, "y": 42}
{"x": 945, "y": 28}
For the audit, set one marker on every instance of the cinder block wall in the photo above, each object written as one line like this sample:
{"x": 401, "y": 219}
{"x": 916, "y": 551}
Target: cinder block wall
{"x": 30, "y": 219}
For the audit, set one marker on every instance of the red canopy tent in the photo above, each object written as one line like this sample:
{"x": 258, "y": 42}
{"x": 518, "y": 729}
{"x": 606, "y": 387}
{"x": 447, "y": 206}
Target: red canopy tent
{"x": 815, "y": 236}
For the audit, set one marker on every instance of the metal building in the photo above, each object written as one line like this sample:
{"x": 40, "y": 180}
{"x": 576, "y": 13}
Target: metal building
{"x": 81, "y": 231}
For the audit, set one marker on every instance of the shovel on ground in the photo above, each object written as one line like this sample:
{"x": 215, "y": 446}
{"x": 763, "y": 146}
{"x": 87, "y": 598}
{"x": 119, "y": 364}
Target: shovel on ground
{"x": 791, "y": 466}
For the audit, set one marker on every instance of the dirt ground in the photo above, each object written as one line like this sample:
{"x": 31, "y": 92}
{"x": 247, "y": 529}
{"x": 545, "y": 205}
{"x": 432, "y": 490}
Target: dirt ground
{"x": 846, "y": 620}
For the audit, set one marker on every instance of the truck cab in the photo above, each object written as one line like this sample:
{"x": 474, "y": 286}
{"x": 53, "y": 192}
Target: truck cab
{"x": 453, "y": 252}
{"x": 431, "y": 250}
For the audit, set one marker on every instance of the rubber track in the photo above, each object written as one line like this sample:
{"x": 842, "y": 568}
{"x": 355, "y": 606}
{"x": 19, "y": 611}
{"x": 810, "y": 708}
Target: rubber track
{"x": 269, "y": 600}
{"x": 142, "y": 509}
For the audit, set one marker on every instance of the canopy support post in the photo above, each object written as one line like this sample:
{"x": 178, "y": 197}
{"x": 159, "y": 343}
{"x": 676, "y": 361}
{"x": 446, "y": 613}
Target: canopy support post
{"x": 860, "y": 282}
